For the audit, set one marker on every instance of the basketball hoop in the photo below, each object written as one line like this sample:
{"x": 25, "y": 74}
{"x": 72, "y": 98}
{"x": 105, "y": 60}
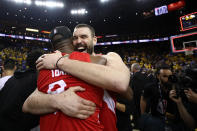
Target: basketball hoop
{"x": 189, "y": 51}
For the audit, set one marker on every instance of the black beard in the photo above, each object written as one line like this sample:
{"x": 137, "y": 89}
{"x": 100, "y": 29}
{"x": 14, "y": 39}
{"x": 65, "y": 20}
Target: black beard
{"x": 90, "y": 50}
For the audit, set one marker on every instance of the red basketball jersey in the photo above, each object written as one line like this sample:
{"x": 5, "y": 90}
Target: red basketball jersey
{"x": 57, "y": 81}
{"x": 108, "y": 112}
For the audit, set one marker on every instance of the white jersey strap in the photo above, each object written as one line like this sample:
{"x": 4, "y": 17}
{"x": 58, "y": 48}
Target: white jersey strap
{"x": 109, "y": 101}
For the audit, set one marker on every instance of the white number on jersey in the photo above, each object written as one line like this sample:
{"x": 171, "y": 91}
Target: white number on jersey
{"x": 59, "y": 83}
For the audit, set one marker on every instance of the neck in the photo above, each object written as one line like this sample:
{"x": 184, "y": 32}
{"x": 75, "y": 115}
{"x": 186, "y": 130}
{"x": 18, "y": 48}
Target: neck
{"x": 66, "y": 49}
{"x": 8, "y": 73}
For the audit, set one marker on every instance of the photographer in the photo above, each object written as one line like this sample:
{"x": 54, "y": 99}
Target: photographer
{"x": 159, "y": 112}
{"x": 185, "y": 96}
{"x": 185, "y": 115}
{"x": 191, "y": 92}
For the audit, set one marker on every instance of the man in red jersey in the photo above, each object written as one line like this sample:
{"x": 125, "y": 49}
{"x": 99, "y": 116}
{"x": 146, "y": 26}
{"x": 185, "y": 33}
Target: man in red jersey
{"x": 56, "y": 81}
{"x": 114, "y": 76}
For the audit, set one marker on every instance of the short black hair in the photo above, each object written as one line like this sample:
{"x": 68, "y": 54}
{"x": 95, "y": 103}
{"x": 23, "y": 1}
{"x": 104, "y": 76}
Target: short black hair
{"x": 32, "y": 56}
{"x": 9, "y": 64}
{"x": 162, "y": 66}
{"x": 63, "y": 32}
{"x": 92, "y": 30}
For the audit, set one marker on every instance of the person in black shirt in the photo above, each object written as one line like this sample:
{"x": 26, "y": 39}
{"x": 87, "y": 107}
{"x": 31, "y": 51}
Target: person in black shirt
{"x": 138, "y": 80}
{"x": 13, "y": 95}
{"x": 123, "y": 114}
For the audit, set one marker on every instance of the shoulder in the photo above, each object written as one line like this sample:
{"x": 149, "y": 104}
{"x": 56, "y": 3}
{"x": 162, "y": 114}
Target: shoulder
{"x": 112, "y": 56}
{"x": 98, "y": 59}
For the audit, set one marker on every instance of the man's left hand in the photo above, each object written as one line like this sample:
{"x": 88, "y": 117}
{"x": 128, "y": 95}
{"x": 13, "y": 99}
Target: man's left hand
{"x": 191, "y": 95}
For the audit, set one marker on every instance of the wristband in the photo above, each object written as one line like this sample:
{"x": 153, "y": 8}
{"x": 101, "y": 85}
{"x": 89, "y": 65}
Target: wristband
{"x": 67, "y": 55}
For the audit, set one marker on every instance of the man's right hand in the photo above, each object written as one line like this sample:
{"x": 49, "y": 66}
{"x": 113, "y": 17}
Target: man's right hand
{"x": 172, "y": 96}
{"x": 73, "y": 105}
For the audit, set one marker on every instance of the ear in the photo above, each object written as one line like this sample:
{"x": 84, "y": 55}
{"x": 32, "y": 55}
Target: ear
{"x": 15, "y": 67}
{"x": 94, "y": 40}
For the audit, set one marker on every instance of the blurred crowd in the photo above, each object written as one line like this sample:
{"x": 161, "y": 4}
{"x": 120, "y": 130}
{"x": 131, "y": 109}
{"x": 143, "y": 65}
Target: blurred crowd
{"x": 150, "y": 61}
{"x": 17, "y": 54}
{"x": 147, "y": 58}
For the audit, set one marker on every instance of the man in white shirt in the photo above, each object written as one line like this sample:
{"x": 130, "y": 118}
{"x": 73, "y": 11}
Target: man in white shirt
{"x": 8, "y": 70}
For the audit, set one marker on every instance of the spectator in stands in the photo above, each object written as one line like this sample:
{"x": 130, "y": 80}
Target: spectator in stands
{"x": 13, "y": 95}
{"x": 8, "y": 70}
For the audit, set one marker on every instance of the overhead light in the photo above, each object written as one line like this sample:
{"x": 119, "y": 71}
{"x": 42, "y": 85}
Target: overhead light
{"x": 79, "y": 12}
{"x": 103, "y": 1}
{"x": 111, "y": 35}
{"x": 23, "y": 1}
{"x": 50, "y": 4}
{"x": 32, "y": 30}
{"x": 45, "y": 32}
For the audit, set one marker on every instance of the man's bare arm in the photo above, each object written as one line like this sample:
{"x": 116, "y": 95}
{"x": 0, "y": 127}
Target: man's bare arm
{"x": 68, "y": 102}
{"x": 120, "y": 107}
{"x": 49, "y": 105}
{"x": 186, "y": 117}
{"x": 115, "y": 76}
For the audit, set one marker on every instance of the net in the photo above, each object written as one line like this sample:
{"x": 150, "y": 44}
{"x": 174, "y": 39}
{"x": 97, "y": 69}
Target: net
{"x": 189, "y": 51}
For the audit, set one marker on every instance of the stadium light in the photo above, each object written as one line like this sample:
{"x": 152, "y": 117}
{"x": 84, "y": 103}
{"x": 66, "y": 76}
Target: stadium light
{"x": 45, "y": 32}
{"x": 79, "y": 12}
{"x": 103, "y": 1}
{"x": 32, "y": 30}
{"x": 50, "y": 4}
{"x": 23, "y": 1}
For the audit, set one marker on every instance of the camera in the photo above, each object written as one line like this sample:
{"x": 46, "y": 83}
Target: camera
{"x": 187, "y": 79}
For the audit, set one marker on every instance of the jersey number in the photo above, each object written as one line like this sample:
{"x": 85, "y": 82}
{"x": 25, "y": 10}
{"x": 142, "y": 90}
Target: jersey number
{"x": 56, "y": 87}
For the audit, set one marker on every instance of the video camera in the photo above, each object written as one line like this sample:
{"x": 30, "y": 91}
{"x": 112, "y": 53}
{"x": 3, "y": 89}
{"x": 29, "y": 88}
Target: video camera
{"x": 184, "y": 81}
